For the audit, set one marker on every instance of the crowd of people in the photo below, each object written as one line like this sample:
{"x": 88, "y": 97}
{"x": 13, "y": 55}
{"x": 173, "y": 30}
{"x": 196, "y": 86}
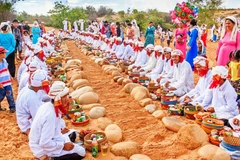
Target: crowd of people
{"x": 40, "y": 105}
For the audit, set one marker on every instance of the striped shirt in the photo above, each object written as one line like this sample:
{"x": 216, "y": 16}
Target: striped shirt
{"x": 5, "y": 78}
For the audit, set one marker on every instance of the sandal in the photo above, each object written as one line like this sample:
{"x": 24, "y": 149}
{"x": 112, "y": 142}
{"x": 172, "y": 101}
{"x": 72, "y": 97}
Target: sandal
{"x": 2, "y": 109}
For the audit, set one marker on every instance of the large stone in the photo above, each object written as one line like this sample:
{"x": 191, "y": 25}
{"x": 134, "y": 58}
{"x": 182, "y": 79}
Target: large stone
{"x": 126, "y": 81}
{"x": 74, "y": 62}
{"x": 159, "y": 114}
{"x": 113, "y": 133}
{"x": 120, "y": 80}
{"x": 84, "y": 75}
{"x": 97, "y": 112}
{"x": 145, "y": 102}
{"x": 173, "y": 124}
{"x": 126, "y": 149}
{"x": 90, "y": 106}
{"x": 77, "y": 93}
{"x": 116, "y": 73}
{"x": 129, "y": 87}
{"x": 116, "y": 78}
{"x": 88, "y": 98}
{"x": 192, "y": 136}
{"x": 80, "y": 83}
{"x": 151, "y": 108}
{"x": 140, "y": 93}
{"x": 213, "y": 152}
{"x": 103, "y": 122}
{"x": 139, "y": 157}
{"x": 74, "y": 77}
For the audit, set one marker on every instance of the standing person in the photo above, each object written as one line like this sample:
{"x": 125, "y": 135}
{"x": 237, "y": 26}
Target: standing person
{"x": 229, "y": 41}
{"x": 5, "y": 82}
{"x": 122, "y": 28}
{"x": 181, "y": 39}
{"x": 75, "y": 24}
{"x": 8, "y": 41}
{"x": 106, "y": 29}
{"x": 204, "y": 37}
{"x": 169, "y": 37}
{"x": 65, "y": 24}
{"x": 136, "y": 30}
{"x": 18, "y": 37}
{"x": 45, "y": 137}
{"x": 118, "y": 29}
{"x": 26, "y": 27}
{"x": 159, "y": 32}
{"x": 42, "y": 28}
{"x": 149, "y": 35}
{"x": 192, "y": 44}
{"x": 35, "y": 32}
{"x": 130, "y": 32}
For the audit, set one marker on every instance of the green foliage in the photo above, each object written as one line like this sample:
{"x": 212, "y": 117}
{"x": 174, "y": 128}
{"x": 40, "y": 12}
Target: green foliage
{"x": 207, "y": 8}
{"x": 60, "y": 12}
{"x": 6, "y": 11}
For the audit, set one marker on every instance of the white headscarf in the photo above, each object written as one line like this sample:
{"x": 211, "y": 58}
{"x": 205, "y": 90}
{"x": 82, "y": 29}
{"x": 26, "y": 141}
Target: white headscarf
{"x": 35, "y": 24}
{"x": 38, "y": 77}
{"x": 58, "y": 90}
{"x": 202, "y": 61}
{"x": 234, "y": 31}
{"x": 221, "y": 71}
{"x": 176, "y": 52}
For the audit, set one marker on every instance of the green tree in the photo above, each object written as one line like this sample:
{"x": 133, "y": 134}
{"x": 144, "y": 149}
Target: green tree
{"x": 6, "y": 11}
{"x": 207, "y": 8}
{"x": 121, "y": 14}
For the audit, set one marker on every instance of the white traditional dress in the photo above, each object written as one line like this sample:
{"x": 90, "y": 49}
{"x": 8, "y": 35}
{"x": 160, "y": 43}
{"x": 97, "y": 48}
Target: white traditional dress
{"x": 27, "y": 105}
{"x": 45, "y": 136}
{"x": 182, "y": 78}
{"x": 199, "y": 92}
{"x": 150, "y": 64}
{"x": 167, "y": 72}
{"x": 142, "y": 59}
{"x": 128, "y": 51}
{"x": 223, "y": 99}
{"x": 65, "y": 25}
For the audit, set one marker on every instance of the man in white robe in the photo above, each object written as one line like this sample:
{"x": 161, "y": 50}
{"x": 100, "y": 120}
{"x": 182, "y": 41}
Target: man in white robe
{"x": 157, "y": 70}
{"x": 221, "y": 97}
{"x": 45, "y": 138}
{"x": 128, "y": 51}
{"x": 168, "y": 67}
{"x": 197, "y": 94}
{"x": 75, "y": 24}
{"x": 152, "y": 61}
{"x": 28, "y": 101}
{"x": 182, "y": 81}
{"x": 40, "y": 58}
{"x": 142, "y": 57}
{"x": 65, "y": 24}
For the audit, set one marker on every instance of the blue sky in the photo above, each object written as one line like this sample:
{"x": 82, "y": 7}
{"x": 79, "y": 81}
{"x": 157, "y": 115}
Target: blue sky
{"x": 43, "y": 6}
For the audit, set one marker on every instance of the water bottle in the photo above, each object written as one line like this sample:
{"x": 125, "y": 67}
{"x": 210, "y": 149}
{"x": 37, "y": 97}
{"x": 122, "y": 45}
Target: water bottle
{"x": 94, "y": 147}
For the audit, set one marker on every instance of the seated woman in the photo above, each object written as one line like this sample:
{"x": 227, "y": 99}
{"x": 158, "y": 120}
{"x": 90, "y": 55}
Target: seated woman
{"x": 197, "y": 94}
{"x": 221, "y": 97}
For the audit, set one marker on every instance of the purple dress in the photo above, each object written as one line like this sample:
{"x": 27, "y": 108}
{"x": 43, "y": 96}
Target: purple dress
{"x": 225, "y": 46}
{"x": 181, "y": 34}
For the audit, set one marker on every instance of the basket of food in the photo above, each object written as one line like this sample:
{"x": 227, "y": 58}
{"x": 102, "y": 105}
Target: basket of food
{"x": 212, "y": 123}
{"x": 214, "y": 139}
{"x": 190, "y": 111}
{"x": 168, "y": 99}
{"x": 231, "y": 143}
{"x": 80, "y": 119}
{"x": 101, "y": 139}
{"x": 175, "y": 109}
{"x": 201, "y": 115}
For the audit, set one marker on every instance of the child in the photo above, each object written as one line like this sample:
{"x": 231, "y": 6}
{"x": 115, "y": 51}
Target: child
{"x": 234, "y": 70}
{"x": 5, "y": 82}
{"x": 201, "y": 48}
{"x": 26, "y": 39}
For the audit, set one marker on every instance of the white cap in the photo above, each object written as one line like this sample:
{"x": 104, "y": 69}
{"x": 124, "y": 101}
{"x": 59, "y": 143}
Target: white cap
{"x": 140, "y": 44}
{"x": 150, "y": 47}
{"x": 37, "y": 78}
{"x": 176, "y": 52}
{"x": 58, "y": 90}
{"x": 33, "y": 66}
{"x": 158, "y": 48}
{"x": 202, "y": 61}
{"x": 221, "y": 71}
{"x": 37, "y": 49}
{"x": 167, "y": 49}
{"x": 119, "y": 39}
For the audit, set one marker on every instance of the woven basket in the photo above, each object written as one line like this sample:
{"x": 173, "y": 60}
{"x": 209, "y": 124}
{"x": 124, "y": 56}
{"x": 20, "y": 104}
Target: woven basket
{"x": 88, "y": 144}
{"x": 175, "y": 111}
{"x": 190, "y": 111}
{"x": 213, "y": 123}
{"x": 214, "y": 141}
{"x": 81, "y": 123}
{"x": 71, "y": 112}
{"x": 233, "y": 141}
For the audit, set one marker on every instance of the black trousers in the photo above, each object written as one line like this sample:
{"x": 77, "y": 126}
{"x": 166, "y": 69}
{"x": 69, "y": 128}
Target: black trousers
{"x": 11, "y": 64}
{"x": 73, "y": 156}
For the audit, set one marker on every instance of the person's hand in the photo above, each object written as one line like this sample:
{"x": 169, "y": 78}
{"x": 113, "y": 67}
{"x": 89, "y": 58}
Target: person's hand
{"x": 172, "y": 89}
{"x": 149, "y": 71}
{"x": 188, "y": 48}
{"x": 235, "y": 121}
{"x": 138, "y": 67}
{"x": 187, "y": 99}
{"x": 159, "y": 79}
{"x": 142, "y": 70}
{"x": 134, "y": 67}
{"x": 216, "y": 58}
{"x": 1, "y": 85}
{"x": 68, "y": 146}
{"x": 64, "y": 130}
{"x": 27, "y": 131}
{"x": 211, "y": 109}
{"x": 167, "y": 84}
